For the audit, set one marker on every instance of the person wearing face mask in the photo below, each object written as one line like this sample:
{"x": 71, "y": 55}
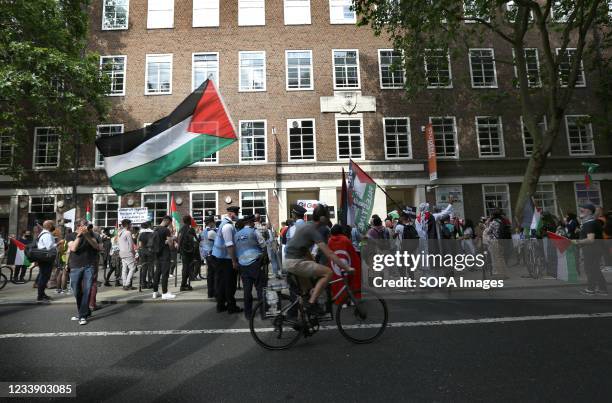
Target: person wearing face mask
{"x": 590, "y": 243}
{"x": 45, "y": 241}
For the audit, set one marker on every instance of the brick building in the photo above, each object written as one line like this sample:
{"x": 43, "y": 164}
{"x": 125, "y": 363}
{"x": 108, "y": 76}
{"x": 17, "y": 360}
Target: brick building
{"x": 307, "y": 89}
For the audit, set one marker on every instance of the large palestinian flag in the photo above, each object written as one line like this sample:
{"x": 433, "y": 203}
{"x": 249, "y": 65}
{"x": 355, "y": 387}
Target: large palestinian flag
{"x": 361, "y": 192}
{"x": 197, "y": 128}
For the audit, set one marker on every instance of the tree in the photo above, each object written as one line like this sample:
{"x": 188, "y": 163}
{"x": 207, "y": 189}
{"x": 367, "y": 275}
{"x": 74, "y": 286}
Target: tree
{"x": 47, "y": 78}
{"x": 418, "y": 27}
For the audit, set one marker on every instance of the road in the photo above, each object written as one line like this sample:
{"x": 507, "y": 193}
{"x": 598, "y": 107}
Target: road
{"x": 485, "y": 351}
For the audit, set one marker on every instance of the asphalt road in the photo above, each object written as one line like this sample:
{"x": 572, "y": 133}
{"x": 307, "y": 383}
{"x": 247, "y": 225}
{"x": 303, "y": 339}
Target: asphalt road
{"x": 554, "y": 358}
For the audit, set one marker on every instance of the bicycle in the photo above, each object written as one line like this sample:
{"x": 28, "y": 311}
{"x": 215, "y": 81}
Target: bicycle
{"x": 3, "y": 279}
{"x": 487, "y": 268}
{"x": 277, "y": 327}
{"x": 534, "y": 258}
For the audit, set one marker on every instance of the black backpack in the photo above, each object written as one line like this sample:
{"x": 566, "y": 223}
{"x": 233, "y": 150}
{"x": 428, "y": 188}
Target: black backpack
{"x": 410, "y": 232}
{"x": 146, "y": 238}
{"x": 505, "y": 232}
{"x": 186, "y": 240}
{"x": 155, "y": 242}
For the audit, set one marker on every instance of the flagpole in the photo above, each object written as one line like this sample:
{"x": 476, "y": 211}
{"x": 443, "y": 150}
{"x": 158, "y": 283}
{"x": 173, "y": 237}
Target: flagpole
{"x": 378, "y": 186}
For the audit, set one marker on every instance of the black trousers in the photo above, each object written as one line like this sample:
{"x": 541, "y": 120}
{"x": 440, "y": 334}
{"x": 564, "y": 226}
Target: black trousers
{"x": 147, "y": 269}
{"x": 162, "y": 271}
{"x": 252, "y": 276}
{"x": 43, "y": 276}
{"x": 113, "y": 268}
{"x": 225, "y": 285}
{"x": 592, "y": 267}
{"x": 19, "y": 273}
{"x": 211, "y": 276}
{"x": 187, "y": 259}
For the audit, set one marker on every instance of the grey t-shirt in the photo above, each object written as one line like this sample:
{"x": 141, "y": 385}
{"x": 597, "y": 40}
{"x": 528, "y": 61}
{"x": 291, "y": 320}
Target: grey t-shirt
{"x": 305, "y": 237}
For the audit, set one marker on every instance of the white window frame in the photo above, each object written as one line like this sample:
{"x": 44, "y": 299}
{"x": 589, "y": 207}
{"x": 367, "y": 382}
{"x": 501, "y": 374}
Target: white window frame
{"x": 589, "y": 129}
{"x": 507, "y": 191}
{"x": 456, "y": 137}
{"x": 244, "y": 15}
{"x": 594, "y": 184}
{"x": 556, "y": 18}
{"x": 581, "y": 75}
{"x": 472, "y": 70}
{"x": 153, "y": 55}
{"x": 314, "y": 140}
{"x": 43, "y": 195}
{"x": 537, "y": 55}
{"x": 500, "y": 127}
{"x": 467, "y": 16}
{"x": 150, "y": 23}
{"x": 127, "y": 17}
{"x": 10, "y": 138}
{"x": 142, "y": 203}
{"x": 265, "y": 160}
{"x": 508, "y": 9}
{"x": 265, "y": 78}
{"x": 193, "y": 55}
{"x": 311, "y": 88}
{"x": 215, "y": 192}
{"x": 450, "y": 72}
{"x": 93, "y": 208}
{"x": 301, "y": 6}
{"x": 97, "y": 165}
{"x": 361, "y": 137}
{"x": 118, "y": 94}
{"x": 340, "y": 3}
{"x": 358, "y": 87}
{"x": 59, "y": 150}
{"x": 409, "y": 133}
{"x": 205, "y": 6}
{"x": 523, "y": 128}
{"x": 554, "y": 194}
{"x": 267, "y": 215}
{"x": 380, "y": 78}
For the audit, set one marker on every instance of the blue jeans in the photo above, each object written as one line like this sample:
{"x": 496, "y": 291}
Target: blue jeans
{"x": 80, "y": 281}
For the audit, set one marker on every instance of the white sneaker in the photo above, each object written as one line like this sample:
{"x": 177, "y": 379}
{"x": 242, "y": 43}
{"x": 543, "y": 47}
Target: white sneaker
{"x": 155, "y": 295}
{"x": 171, "y": 276}
{"x": 82, "y": 321}
{"x": 168, "y": 295}
{"x": 74, "y": 318}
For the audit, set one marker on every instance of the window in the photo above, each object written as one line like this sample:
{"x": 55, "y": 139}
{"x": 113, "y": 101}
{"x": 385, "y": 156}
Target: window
{"x": 46, "y": 147}
{"x": 579, "y": 135}
{"x": 496, "y": 196}
{"x": 528, "y": 138}
{"x": 252, "y": 71}
{"x": 203, "y": 204}
{"x": 254, "y": 203}
{"x": 299, "y": 69}
{"x": 160, "y": 14}
{"x": 115, "y": 14}
{"x": 297, "y": 12}
{"x": 114, "y": 68}
{"x": 490, "y": 136}
{"x": 43, "y": 207}
{"x": 340, "y": 12}
{"x": 560, "y": 11}
{"x": 103, "y": 131}
{"x": 482, "y": 68}
{"x": 532, "y": 65}
{"x": 251, "y": 12}
{"x": 437, "y": 69}
{"x": 6, "y": 150}
{"x": 545, "y": 197}
{"x": 445, "y": 136}
{"x": 512, "y": 12}
{"x": 105, "y": 208}
{"x": 346, "y": 69}
{"x": 252, "y": 140}
{"x": 397, "y": 138}
{"x": 391, "y": 72}
{"x": 349, "y": 133}
{"x": 565, "y": 68}
{"x": 158, "y": 75}
{"x": 211, "y": 159}
{"x": 204, "y": 66}
{"x": 471, "y": 10}
{"x": 301, "y": 139}
{"x": 592, "y": 194}
{"x": 205, "y": 13}
{"x": 157, "y": 203}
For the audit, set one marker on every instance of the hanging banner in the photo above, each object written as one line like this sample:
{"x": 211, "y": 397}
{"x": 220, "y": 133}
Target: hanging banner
{"x": 137, "y": 215}
{"x": 431, "y": 152}
{"x": 309, "y": 205}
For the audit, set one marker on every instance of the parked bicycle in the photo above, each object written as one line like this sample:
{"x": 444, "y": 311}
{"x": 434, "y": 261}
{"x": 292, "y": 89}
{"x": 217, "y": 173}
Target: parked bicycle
{"x": 361, "y": 316}
{"x": 534, "y": 257}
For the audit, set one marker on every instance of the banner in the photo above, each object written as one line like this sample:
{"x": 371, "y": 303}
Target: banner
{"x": 69, "y": 217}
{"x": 361, "y": 191}
{"x": 137, "y": 215}
{"x": 431, "y": 152}
{"x": 309, "y": 205}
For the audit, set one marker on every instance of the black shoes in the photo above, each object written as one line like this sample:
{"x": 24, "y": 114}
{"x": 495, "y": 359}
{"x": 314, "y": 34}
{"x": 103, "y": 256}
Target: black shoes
{"x": 221, "y": 308}
{"x": 186, "y": 288}
{"x": 234, "y": 309}
{"x": 314, "y": 309}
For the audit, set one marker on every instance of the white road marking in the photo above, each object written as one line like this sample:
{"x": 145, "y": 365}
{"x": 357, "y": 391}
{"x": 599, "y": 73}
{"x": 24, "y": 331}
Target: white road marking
{"x": 507, "y": 319}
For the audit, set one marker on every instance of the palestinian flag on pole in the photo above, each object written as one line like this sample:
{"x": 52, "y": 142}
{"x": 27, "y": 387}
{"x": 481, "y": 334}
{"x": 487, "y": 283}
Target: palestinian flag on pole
{"x": 566, "y": 257}
{"x": 20, "y": 257}
{"x": 197, "y": 128}
{"x": 361, "y": 191}
{"x": 176, "y": 216}
{"x": 88, "y": 213}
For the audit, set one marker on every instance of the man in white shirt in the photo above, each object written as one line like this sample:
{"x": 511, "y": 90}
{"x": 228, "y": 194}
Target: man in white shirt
{"x": 46, "y": 240}
{"x": 127, "y": 254}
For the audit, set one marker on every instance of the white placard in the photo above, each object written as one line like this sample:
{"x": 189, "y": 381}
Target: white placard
{"x": 309, "y": 205}
{"x": 70, "y": 215}
{"x": 137, "y": 215}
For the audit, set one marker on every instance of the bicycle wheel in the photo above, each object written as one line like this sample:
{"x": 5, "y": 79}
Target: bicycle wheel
{"x": 274, "y": 332}
{"x": 3, "y": 280}
{"x": 362, "y": 320}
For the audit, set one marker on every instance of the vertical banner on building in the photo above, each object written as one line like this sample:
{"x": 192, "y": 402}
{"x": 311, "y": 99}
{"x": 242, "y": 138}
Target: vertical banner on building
{"x": 361, "y": 191}
{"x": 431, "y": 152}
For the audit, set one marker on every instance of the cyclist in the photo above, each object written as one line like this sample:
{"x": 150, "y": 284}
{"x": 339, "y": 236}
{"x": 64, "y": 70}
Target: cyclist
{"x": 299, "y": 260}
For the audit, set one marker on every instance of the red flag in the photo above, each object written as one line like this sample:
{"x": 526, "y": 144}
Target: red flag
{"x": 560, "y": 242}
{"x": 194, "y": 224}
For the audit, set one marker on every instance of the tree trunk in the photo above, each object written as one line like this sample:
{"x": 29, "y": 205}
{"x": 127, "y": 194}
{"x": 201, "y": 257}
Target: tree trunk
{"x": 530, "y": 181}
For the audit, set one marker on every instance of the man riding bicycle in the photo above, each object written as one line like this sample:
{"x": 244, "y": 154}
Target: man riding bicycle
{"x": 300, "y": 262}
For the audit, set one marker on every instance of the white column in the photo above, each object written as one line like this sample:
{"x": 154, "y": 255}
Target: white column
{"x": 380, "y": 204}
{"x": 329, "y": 197}
{"x": 419, "y": 196}
{"x": 14, "y": 215}
{"x": 282, "y": 206}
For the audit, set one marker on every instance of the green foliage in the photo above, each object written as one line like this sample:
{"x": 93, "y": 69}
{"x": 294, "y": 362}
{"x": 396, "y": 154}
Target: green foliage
{"x": 47, "y": 78}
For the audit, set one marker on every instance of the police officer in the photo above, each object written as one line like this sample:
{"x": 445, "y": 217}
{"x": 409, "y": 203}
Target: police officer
{"x": 226, "y": 263}
{"x": 250, "y": 249}
{"x": 207, "y": 239}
